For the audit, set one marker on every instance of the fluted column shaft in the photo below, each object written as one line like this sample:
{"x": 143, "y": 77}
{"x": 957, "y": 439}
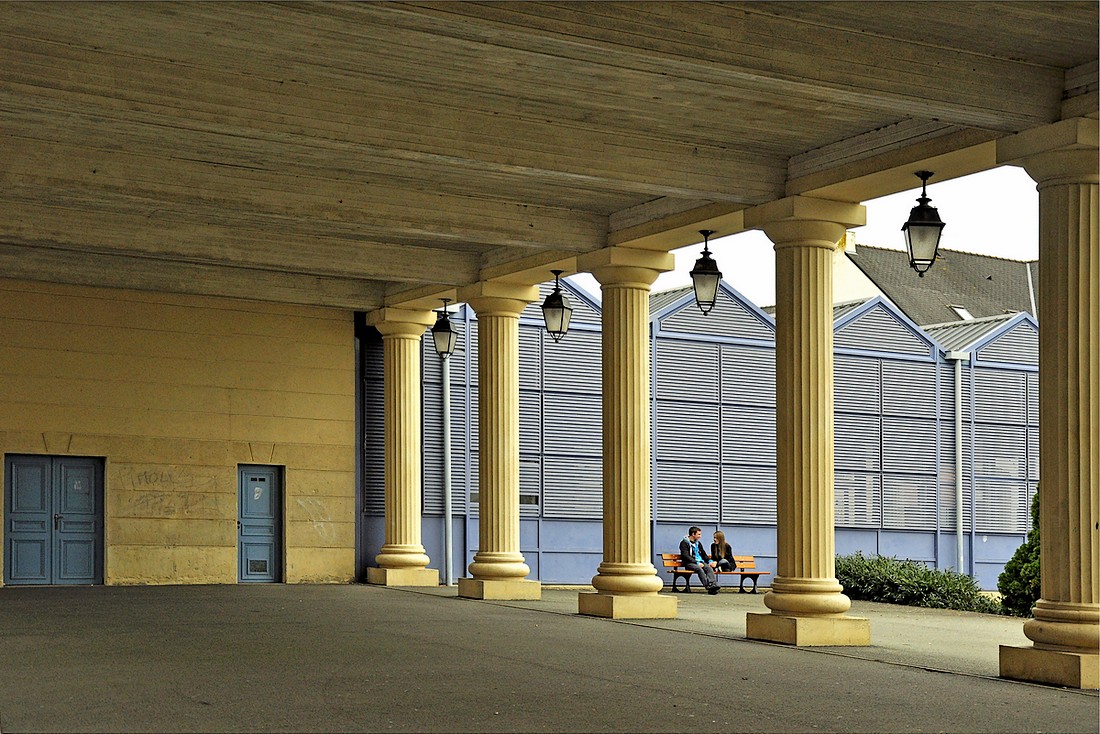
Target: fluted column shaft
{"x": 806, "y": 579}
{"x": 626, "y": 581}
{"x": 627, "y": 566}
{"x": 401, "y": 360}
{"x": 498, "y": 555}
{"x": 1067, "y": 617}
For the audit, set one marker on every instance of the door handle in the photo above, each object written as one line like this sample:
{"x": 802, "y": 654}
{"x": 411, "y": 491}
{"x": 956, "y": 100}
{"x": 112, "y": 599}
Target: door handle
{"x": 57, "y": 520}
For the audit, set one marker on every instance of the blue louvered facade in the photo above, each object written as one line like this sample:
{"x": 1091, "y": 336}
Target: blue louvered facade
{"x": 713, "y": 422}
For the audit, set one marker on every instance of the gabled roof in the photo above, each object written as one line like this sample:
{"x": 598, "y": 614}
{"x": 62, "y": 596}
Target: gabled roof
{"x": 956, "y": 335}
{"x": 983, "y": 285}
{"x": 658, "y": 301}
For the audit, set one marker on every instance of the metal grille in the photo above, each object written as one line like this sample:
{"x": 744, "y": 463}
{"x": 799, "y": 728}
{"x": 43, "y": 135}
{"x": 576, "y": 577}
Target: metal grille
{"x": 857, "y": 499}
{"x": 573, "y": 425}
{"x": 748, "y": 375}
{"x": 1019, "y": 345}
{"x": 748, "y": 494}
{"x": 687, "y": 431}
{"x": 908, "y": 502}
{"x": 857, "y": 442}
{"x": 748, "y": 435}
{"x": 573, "y": 365}
{"x": 880, "y": 329}
{"x": 572, "y": 487}
{"x": 1000, "y": 506}
{"x": 908, "y": 445}
{"x": 686, "y": 370}
{"x": 1000, "y": 396}
{"x": 909, "y": 388}
{"x": 730, "y": 318}
{"x": 686, "y": 492}
{"x": 857, "y": 384}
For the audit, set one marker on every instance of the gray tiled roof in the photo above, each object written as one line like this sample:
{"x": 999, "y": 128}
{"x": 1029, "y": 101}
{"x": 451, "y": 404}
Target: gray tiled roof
{"x": 983, "y": 285}
{"x": 956, "y": 335}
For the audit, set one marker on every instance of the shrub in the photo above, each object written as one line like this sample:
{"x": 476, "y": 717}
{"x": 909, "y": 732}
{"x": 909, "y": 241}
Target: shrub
{"x": 894, "y": 581}
{"x": 1019, "y": 583}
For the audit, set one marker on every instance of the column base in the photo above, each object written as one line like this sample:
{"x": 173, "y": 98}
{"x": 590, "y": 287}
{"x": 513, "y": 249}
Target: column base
{"x": 627, "y": 606}
{"x": 403, "y": 576}
{"x": 809, "y": 631}
{"x": 503, "y": 589}
{"x": 1054, "y": 667}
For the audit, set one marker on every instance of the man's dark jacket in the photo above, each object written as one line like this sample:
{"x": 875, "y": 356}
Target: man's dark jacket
{"x": 688, "y": 557}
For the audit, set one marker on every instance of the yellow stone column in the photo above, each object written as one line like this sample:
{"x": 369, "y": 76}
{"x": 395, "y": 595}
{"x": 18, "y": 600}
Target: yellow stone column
{"x": 498, "y": 568}
{"x": 807, "y": 606}
{"x": 402, "y": 561}
{"x": 627, "y": 582}
{"x": 1065, "y": 628}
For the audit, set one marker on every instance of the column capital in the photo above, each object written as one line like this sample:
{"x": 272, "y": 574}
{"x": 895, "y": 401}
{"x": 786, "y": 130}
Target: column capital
{"x": 495, "y": 298}
{"x": 626, "y": 265}
{"x": 805, "y": 221}
{"x": 1027, "y": 149}
{"x": 401, "y": 321}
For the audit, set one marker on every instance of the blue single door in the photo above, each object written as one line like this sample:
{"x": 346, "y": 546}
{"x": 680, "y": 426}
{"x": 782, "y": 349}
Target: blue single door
{"x": 53, "y": 520}
{"x": 260, "y": 524}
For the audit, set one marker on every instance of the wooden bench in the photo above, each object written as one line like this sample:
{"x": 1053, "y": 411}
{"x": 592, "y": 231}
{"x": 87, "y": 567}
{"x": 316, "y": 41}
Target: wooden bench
{"x": 744, "y": 566}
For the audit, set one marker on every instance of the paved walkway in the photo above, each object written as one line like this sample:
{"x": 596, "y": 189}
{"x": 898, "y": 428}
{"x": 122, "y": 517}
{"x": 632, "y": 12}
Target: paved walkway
{"x": 359, "y": 658}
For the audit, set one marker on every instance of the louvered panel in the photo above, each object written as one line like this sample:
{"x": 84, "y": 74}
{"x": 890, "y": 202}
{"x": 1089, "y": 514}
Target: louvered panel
{"x": 1033, "y": 398}
{"x": 879, "y": 330}
{"x": 857, "y": 384}
{"x": 748, "y": 494}
{"x": 1000, "y": 451}
{"x": 473, "y": 482}
{"x": 730, "y": 318}
{"x": 686, "y": 370}
{"x": 1019, "y": 345}
{"x": 530, "y": 486}
{"x": 572, "y": 425}
{"x": 748, "y": 375}
{"x": 374, "y": 438}
{"x": 573, "y": 364}
{"x": 1033, "y": 453}
{"x": 748, "y": 435}
{"x": 947, "y": 505}
{"x": 857, "y": 441}
{"x": 432, "y": 450}
{"x": 530, "y": 422}
{"x": 908, "y": 445}
{"x": 1000, "y": 506}
{"x": 947, "y": 392}
{"x": 530, "y": 357}
{"x": 947, "y": 450}
{"x": 857, "y": 499}
{"x": 687, "y": 492}
{"x": 1000, "y": 396}
{"x": 686, "y": 431}
{"x": 908, "y": 502}
{"x": 572, "y": 487}
{"x": 909, "y": 388}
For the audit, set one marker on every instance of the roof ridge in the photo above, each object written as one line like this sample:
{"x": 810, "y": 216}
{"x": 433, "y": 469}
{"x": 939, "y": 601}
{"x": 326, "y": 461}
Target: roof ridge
{"x": 860, "y": 245}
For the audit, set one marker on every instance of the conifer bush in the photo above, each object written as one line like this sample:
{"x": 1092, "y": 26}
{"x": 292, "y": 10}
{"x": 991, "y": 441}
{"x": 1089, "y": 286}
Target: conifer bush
{"x": 1019, "y": 582}
{"x": 894, "y": 581}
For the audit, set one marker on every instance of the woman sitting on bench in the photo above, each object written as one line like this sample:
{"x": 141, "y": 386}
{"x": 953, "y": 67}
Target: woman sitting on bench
{"x": 721, "y": 552}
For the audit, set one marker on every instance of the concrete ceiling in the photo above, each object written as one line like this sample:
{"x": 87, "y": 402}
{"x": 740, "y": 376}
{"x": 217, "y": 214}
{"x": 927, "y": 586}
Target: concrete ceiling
{"x": 367, "y": 154}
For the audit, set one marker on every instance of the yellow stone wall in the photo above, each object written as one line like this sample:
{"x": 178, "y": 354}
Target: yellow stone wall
{"x": 174, "y": 392}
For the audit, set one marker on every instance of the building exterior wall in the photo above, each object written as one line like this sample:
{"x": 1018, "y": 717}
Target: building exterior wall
{"x": 174, "y": 393}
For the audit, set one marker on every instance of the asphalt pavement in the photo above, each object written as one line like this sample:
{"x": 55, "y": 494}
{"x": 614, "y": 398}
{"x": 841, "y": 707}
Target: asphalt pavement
{"x": 358, "y": 658}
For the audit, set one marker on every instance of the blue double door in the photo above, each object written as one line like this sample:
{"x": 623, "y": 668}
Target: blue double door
{"x": 260, "y": 524}
{"x": 53, "y": 520}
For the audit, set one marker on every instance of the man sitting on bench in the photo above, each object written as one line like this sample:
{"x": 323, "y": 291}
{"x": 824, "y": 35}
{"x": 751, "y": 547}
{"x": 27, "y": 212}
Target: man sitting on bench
{"x": 696, "y": 559}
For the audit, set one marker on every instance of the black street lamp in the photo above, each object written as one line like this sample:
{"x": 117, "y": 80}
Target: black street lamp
{"x": 556, "y": 310}
{"x": 444, "y": 332}
{"x": 922, "y": 231}
{"x": 705, "y": 276}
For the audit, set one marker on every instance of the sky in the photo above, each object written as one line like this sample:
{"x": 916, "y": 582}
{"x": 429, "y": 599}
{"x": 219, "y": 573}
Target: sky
{"x": 995, "y": 212}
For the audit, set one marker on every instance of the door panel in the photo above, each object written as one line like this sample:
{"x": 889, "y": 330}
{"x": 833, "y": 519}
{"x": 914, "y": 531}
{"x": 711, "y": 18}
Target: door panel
{"x": 260, "y": 523}
{"x": 53, "y": 520}
{"x": 75, "y": 531}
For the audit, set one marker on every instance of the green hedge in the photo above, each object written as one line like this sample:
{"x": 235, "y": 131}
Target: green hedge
{"x": 1019, "y": 583}
{"x": 894, "y": 581}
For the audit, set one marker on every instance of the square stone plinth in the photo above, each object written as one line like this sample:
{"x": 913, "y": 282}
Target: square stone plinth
{"x": 403, "y": 576}
{"x": 513, "y": 589}
{"x": 809, "y": 631}
{"x": 627, "y": 606}
{"x": 1070, "y": 669}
